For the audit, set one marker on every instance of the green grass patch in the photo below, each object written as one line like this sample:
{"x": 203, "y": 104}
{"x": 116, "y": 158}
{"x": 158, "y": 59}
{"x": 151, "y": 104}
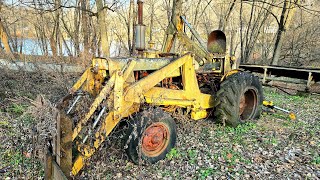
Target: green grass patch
{"x": 27, "y": 119}
{"x": 271, "y": 140}
{"x": 280, "y": 115}
{"x": 239, "y": 130}
{"x": 232, "y": 157}
{"x": 192, "y": 154}
{"x": 205, "y": 172}
{"x": 4, "y": 122}
{"x": 280, "y": 99}
{"x": 242, "y": 128}
{"x": 17, "y": 109}
{"x": 19, "y": 162}
{"x": 166, "y": 173}
{"x": 316, "y": 160}
{"x": 205, "y": 132}
{"x": 173, "y": 154}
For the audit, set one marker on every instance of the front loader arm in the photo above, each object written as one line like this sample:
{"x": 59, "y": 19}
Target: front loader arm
{"x": 120, "y": 110}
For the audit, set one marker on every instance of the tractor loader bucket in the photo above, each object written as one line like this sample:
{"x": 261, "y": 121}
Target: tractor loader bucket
{"x": 58, "y": 162}
{"x": 52, "y": 170}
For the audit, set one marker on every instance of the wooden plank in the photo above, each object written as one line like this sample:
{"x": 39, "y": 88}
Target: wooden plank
{"x": 295, "y": 81}
{"x": 264, "y": 75}
{"x": 316, "y": 70}
{"x": 310, "y": 78}
{"x": 296, "y": 73}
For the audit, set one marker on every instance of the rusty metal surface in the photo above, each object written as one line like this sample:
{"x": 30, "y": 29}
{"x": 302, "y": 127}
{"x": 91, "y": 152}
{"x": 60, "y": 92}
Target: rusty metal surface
{"x": 140, "y": 12}
{"x": 52, "y": 170}
{"x": 242, "y": 104}
{"x": 57, "y": 172}
{"x": 140, "y": 29}
{"x": 217, "y": 42}
{"x": 248, "y": 103}
{"x": 155, "y": 139}
{"x": 48, "y": 165}
{"x": 64, "y": 143}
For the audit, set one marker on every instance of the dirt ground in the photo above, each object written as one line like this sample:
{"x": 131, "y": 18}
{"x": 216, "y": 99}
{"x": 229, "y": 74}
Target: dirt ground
{"x": 274, "y": 147}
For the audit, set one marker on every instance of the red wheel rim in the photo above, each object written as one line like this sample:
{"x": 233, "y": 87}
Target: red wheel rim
{"x": 155, "y": 139}
{"x": 248, "y": 104}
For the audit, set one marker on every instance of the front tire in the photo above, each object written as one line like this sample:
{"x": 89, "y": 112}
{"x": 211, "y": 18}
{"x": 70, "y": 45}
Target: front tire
{"x": 239, "y": 99}
{"x": 150, "y": 136}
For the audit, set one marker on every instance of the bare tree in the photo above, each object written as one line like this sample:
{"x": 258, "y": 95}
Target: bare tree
{"x": 102, "y": 15}
{"x": 250, "y": 30}
{"x": 4, "y": 35}
{"x": 287, "y": 13}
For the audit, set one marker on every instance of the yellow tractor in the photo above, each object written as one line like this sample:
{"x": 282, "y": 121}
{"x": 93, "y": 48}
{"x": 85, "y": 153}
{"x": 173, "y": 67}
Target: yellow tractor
{"x": 142, "y": 88}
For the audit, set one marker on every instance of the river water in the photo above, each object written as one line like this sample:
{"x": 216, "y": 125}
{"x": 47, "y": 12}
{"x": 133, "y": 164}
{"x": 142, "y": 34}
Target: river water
{"x": 30, "y": 46}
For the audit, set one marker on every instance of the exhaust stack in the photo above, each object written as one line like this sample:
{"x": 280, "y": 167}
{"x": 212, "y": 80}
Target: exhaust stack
{"x": 140, "y": 29}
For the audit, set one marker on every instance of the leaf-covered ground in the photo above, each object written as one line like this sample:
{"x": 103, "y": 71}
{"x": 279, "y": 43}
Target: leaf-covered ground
{"x": 274, "y": 147}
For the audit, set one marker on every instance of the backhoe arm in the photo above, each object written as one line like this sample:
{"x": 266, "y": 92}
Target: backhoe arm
{"x": 175, "y": 30}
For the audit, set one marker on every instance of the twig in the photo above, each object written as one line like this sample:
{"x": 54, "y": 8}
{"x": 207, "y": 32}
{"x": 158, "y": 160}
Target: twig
{"x": 4, "y": 170}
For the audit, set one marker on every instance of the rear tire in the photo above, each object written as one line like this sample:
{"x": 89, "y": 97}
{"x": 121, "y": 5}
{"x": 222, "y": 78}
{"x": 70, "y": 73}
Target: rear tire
{"x": 239, "y": 99}
{"x": 150, "y": 136}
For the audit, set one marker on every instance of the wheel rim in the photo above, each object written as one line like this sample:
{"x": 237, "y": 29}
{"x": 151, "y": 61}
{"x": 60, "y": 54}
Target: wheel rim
{"x": 248, "y": 104}
{"x": 155, "y": 139}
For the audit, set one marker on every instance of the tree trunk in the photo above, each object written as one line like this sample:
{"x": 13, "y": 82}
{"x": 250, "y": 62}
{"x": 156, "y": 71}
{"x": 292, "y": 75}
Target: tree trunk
{"x": 85, "y": 27}
{"x": 241, "y": 35}
{"x": 129, "y": 27}
{"x": 4, "y": 39}
{"x": 195, "y": 19}
{"x": 279, "y": 39}
{"x": 76, "y": 31}
{"x": 169, "y": 41}
{"x": 226, "y": 19}
{"x": 151, "y": 21}
{"x": 102, "y": 15}
{"x": 285, "y": 20}
{"x": 54, "y": 38}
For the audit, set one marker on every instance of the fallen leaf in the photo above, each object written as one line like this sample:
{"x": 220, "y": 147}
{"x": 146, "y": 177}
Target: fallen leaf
{"x": 229, "y": 156}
